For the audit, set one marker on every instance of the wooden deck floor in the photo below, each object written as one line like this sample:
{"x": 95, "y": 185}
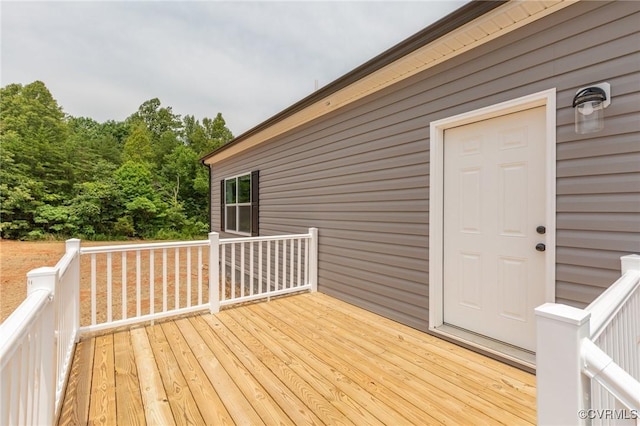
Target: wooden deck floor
{"x": 304, "y": 359}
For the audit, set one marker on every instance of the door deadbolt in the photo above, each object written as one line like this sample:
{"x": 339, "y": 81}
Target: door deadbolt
{"x": 541, "y": 230}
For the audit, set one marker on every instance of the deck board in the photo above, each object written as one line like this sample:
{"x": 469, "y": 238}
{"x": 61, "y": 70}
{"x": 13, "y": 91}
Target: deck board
{"x": 102, "y": 408}
{"x": 264, "y": 405}
{"x": 128, "y": 398}
{"x": 344, "y": 370}
{"x": 183, "y": 404}
{"x": 279, "y": 391}
{"x": 298, "y": 359}
{"x": 154, "y": 398}
{"x": 304, "y": 359}
{"x": 442, "y": 373}
{"x": 75, "y": 408}
{"x": 240, "y": 409}
{"x": 211, "y": 406}
{"x": 313, "y": 400}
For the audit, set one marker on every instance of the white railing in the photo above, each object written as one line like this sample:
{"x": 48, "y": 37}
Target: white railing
{"x": 588, "y": 360}
{"x": 140, "y": 282}
{"x": 38, "y": 340}
{"x": 143, "y": 282}
{"x": 262, "y": 267}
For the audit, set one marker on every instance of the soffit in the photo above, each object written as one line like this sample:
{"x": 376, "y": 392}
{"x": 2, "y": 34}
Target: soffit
{"x": 495, "y": 23}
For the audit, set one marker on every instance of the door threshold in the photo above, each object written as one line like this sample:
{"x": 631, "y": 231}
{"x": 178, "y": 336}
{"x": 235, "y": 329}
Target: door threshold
{"x": 513, "y": 355}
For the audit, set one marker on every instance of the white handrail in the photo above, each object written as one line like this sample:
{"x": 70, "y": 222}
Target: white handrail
{"x": 17, "y": 325}
{"x": 608, "y": 304}
{"x": 599, "y": 366}
{"x": 143, "y": 246}
{"x": 267, "y": 238}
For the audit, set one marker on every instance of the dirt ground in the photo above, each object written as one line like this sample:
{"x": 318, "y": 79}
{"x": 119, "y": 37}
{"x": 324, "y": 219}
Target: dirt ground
{"x": 16, "y": 259}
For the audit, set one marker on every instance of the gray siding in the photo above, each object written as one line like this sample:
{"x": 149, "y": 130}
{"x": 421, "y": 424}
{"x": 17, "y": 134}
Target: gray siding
{"x": 360, "y": 174}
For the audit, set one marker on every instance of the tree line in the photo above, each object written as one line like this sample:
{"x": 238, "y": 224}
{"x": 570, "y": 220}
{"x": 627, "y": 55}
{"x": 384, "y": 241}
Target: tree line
{"x": 64, "y": 176}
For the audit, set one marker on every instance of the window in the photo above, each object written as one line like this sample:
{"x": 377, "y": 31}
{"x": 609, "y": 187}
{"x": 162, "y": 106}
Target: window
{"x": 239, "y": 204}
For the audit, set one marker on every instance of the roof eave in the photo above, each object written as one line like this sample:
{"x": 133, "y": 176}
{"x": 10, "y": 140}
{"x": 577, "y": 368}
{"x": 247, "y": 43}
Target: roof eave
{"x": 450, "y": 22}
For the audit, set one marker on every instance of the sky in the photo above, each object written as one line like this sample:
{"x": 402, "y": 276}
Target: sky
{"x": 246, "y": 60}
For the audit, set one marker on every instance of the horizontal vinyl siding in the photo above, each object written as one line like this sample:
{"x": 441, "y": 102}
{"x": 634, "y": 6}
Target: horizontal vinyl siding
{"x": 364, "y": 186}
{"x": 360, "y": 174}
{"x": 598, "y": 175}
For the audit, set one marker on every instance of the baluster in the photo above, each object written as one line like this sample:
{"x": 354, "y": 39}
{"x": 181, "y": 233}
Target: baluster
{"x": 260, "y": 267}
{"x": 299, "y": 262}
{"x": 188, "y": 277}
{"x": 251, "y": 268}
{"x": 223, "y": 277}
{"x": 176, "y": 252}
{"x": 93, "y": 289}
{"x": 291, "y": 264}
{"x": 199, "y": 275}
{"x": 164, "y": 280}
{"x": 109, "y": 289}
{"x": 32, "y": 346}
{"x": 242, "y": 269}
{"x": 284, "y": 264}
{"x": 138, "y": 284}
{"x": 233, "y": 270}
{"x": 124, "y": 285}
{"x": 268, "y": 266}
{"x": 306, "y": 261}
{"x": 14, "y": 393}
{"x": 276, "y": 265}
{"x": 152, "y": 282}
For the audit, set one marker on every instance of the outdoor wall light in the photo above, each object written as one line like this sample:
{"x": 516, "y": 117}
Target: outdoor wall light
{"x": 589, "y": 104}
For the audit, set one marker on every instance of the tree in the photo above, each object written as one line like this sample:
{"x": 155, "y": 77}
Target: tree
{"x": 73, "y": 176}
{"x": 142, "y": 207}
{"x": 217, "y": 133}
{"x": 93, "y": 141}
{"x": 20, "y": 195}
{"x": 98, "y": 204}
{"x": 137, "y": 147}
{"x": 39, "y": 132}
{"x": 32, "y": 113}
{"x": 158, "y": 120}
{"x": 35, "y": 170}
{"x": 204, "y": 138}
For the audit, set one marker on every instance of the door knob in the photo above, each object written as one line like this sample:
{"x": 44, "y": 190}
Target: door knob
{"x": 541, "y": 230}
{"x": 541, "y": 247}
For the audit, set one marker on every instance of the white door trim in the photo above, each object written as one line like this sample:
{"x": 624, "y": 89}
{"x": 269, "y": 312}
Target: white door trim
{"x": 546, "y": 98}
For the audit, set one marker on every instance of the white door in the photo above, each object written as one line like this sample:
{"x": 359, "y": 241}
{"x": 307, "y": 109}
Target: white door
{"x": 494, "y": 201}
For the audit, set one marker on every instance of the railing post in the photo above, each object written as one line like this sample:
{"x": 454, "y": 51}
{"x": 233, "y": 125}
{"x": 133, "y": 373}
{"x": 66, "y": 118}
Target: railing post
{"x": 74, "y": 269}
{"x": 45, "y": 379}
{"x": 630, "y": 263}
{"x": 562, "y": 390}
{"x": 313, "y": 259}
{"x": 214, "y": 272}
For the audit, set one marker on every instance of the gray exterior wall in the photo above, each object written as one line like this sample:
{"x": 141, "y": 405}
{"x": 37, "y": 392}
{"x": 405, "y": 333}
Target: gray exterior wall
{"x": 361, "y": 174}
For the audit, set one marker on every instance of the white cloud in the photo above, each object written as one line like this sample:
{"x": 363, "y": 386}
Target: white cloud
{"x": 247, "y": 60}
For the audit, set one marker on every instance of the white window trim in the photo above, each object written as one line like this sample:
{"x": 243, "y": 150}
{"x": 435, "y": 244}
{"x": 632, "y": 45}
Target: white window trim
{"x": 226, "y": 216}
{"x": 545, "y": 98}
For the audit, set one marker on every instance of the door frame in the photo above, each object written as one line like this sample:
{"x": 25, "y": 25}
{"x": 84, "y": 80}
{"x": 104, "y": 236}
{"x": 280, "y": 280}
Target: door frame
{"x": 546, "y": 98}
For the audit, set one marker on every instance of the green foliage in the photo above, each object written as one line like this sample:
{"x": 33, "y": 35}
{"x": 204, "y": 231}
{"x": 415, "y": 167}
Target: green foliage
{"x": 204, "y": 138}
{"x": 64, "y": 176}
{"x": 137, "y": 147}
{"x": 156, "y": 119}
